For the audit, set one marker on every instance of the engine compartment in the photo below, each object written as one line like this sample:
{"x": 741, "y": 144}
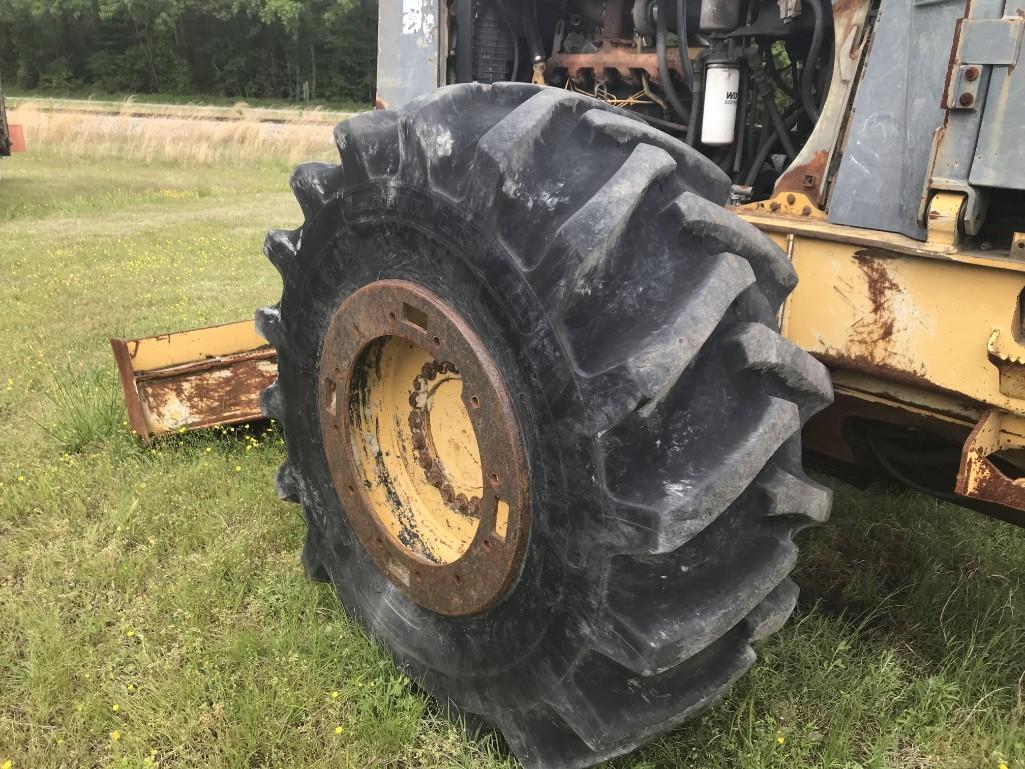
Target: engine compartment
{"x": 742, "y": 81}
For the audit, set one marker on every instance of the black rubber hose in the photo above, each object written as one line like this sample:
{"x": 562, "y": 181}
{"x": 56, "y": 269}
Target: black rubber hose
{"x": 766, "y": 148}
{"x": 696, "y": 103}
{"x": 665, "y": 125}
{"x": 533, "y": 31}
{"x": 812, "y": 59}
{"x": 681, "y": 43}
{"x": 662, "y": 54}
{"x": 516, "y": 53}
{"x": 754, "y": 61}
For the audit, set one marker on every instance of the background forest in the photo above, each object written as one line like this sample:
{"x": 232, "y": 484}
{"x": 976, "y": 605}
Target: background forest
{"x": 246, "y": 49}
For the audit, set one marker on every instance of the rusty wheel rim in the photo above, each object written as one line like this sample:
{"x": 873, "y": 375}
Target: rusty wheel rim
{"x": 424, "y": 447}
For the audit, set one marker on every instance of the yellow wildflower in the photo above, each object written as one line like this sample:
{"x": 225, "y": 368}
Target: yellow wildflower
{"x": 334, "y": 695}
{"x": 130, "y": 633}
{"x": 6, "y": 764}
{"x": 115, "y": 707}
{"x": 781, "y": 739}
{"x": 238, "y": 469}
{"x": 1002, "y": 765}
{"x": 338, "y": 730}
{"x": 115, "y": 736}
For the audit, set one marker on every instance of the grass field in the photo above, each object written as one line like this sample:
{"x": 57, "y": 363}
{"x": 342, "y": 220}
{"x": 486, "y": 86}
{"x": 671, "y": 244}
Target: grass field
{"x": 153, "y": 610}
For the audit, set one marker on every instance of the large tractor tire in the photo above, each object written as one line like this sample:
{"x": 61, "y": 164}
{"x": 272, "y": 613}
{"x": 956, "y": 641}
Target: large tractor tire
{"x": 538, "y": 414}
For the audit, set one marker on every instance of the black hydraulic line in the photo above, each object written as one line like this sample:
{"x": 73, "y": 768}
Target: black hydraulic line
{"x": 754, "y": 61}
{"x": 681, "y": 43}
{"x": 766, "y": 147}
{"x": 665, "y": 125}
{"x": 533, "y": 31}
{"x": 808, "y": 73}
{"x": 464, "y": 48}
{"x": 516, "y": 53}
{"x": 661, "y": 31}
{"x": 697, "y": 89}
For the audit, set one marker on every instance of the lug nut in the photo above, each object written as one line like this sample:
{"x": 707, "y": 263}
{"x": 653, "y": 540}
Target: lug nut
{"x": 416, "y": 421}
{"x": 462, "y": 504}
{"x": 419, "y": 442}
{"x": 429, "y": 371}
{"x": 425, "y": 461}
{"x": 435, "y": 478}
{"x": 474, "y": 507}
{"x": 447, "y": 493}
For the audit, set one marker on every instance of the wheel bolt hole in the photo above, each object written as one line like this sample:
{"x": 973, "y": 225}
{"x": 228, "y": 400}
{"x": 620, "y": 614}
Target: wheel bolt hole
{"x": 475, "y": 402}
{"x": 487, "y": 544}
{"x": 458, "y": 578}
{"x": 493, "y": 478}
{"x": 437, "y": 341}
{"x": 352, "y": 490}
{"x": 391, "y": 316}
{"x": 418, "y": 576}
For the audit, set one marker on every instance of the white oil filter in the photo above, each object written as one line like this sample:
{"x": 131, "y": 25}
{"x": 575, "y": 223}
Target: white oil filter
{"x": 719, "y": 115}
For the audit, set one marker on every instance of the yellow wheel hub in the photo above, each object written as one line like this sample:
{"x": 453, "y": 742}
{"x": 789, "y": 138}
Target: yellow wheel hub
{"x": 424, "y": 447}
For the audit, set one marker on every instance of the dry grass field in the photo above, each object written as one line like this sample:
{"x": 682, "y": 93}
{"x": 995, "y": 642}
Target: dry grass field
{"x": 180, "y": 133}
{"x": 152, "y": 607}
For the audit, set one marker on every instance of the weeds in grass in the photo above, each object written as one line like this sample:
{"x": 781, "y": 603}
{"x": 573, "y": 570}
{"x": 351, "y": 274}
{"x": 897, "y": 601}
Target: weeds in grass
{"x": 183, "y": 135}
{"x": 88, "y": 408}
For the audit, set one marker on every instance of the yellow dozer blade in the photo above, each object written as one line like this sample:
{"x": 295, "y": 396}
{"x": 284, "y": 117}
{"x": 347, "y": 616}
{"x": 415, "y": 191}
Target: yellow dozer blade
{"x": 191, "y": 379}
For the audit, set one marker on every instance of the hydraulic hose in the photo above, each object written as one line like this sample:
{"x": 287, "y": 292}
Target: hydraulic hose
{"x": 681, "y": 43}
{"x": 665, "y": 125}
{"x": 754, "y": 61}
{"x": 697, "y": 103}
{"x": 808, "y": 73}
{"x": 766, "y": 148}
{"x": 661, "y": 31}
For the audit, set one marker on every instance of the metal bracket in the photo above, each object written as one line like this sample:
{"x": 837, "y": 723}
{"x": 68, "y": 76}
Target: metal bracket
{"x": 991, "y": 41}
{"x": 1018, "y": 245}
{"x": 1008, "y": 355}
{"x": 787, "y": 204}
{"x": 943, "y": 220}
{"x": 978, "y": 477}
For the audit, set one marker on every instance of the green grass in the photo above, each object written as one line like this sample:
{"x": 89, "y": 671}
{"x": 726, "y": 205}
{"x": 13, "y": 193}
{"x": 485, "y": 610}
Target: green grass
{"x": 166, "y": 581}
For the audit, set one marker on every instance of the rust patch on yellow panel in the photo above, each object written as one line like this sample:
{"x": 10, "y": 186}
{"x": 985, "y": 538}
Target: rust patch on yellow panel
{"x": 194, "y": 379}
{"x": 899, "y": 311}
{"x": 878, "y": 328}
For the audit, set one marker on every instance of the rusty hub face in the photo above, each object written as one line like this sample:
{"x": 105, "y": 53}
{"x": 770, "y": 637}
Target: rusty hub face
{"x": 424, "y": 447}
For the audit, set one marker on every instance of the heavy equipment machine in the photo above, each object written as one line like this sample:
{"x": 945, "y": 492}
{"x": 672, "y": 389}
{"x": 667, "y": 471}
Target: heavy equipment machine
{"x": 12, "y": 137}
{"x": 542, "y": 368}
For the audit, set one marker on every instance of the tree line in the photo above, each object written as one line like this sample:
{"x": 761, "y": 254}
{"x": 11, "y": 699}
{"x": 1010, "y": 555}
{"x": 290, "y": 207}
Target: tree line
{"x": 246, "y": 49}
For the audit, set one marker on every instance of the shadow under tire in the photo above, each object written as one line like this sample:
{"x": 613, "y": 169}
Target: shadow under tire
{"x": 631, "y": 321}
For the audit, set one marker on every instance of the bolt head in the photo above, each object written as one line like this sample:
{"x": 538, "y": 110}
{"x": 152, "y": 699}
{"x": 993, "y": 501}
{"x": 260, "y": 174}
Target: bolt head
{"x": 971, "y": 74}
{"x": 966, "y": 100}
